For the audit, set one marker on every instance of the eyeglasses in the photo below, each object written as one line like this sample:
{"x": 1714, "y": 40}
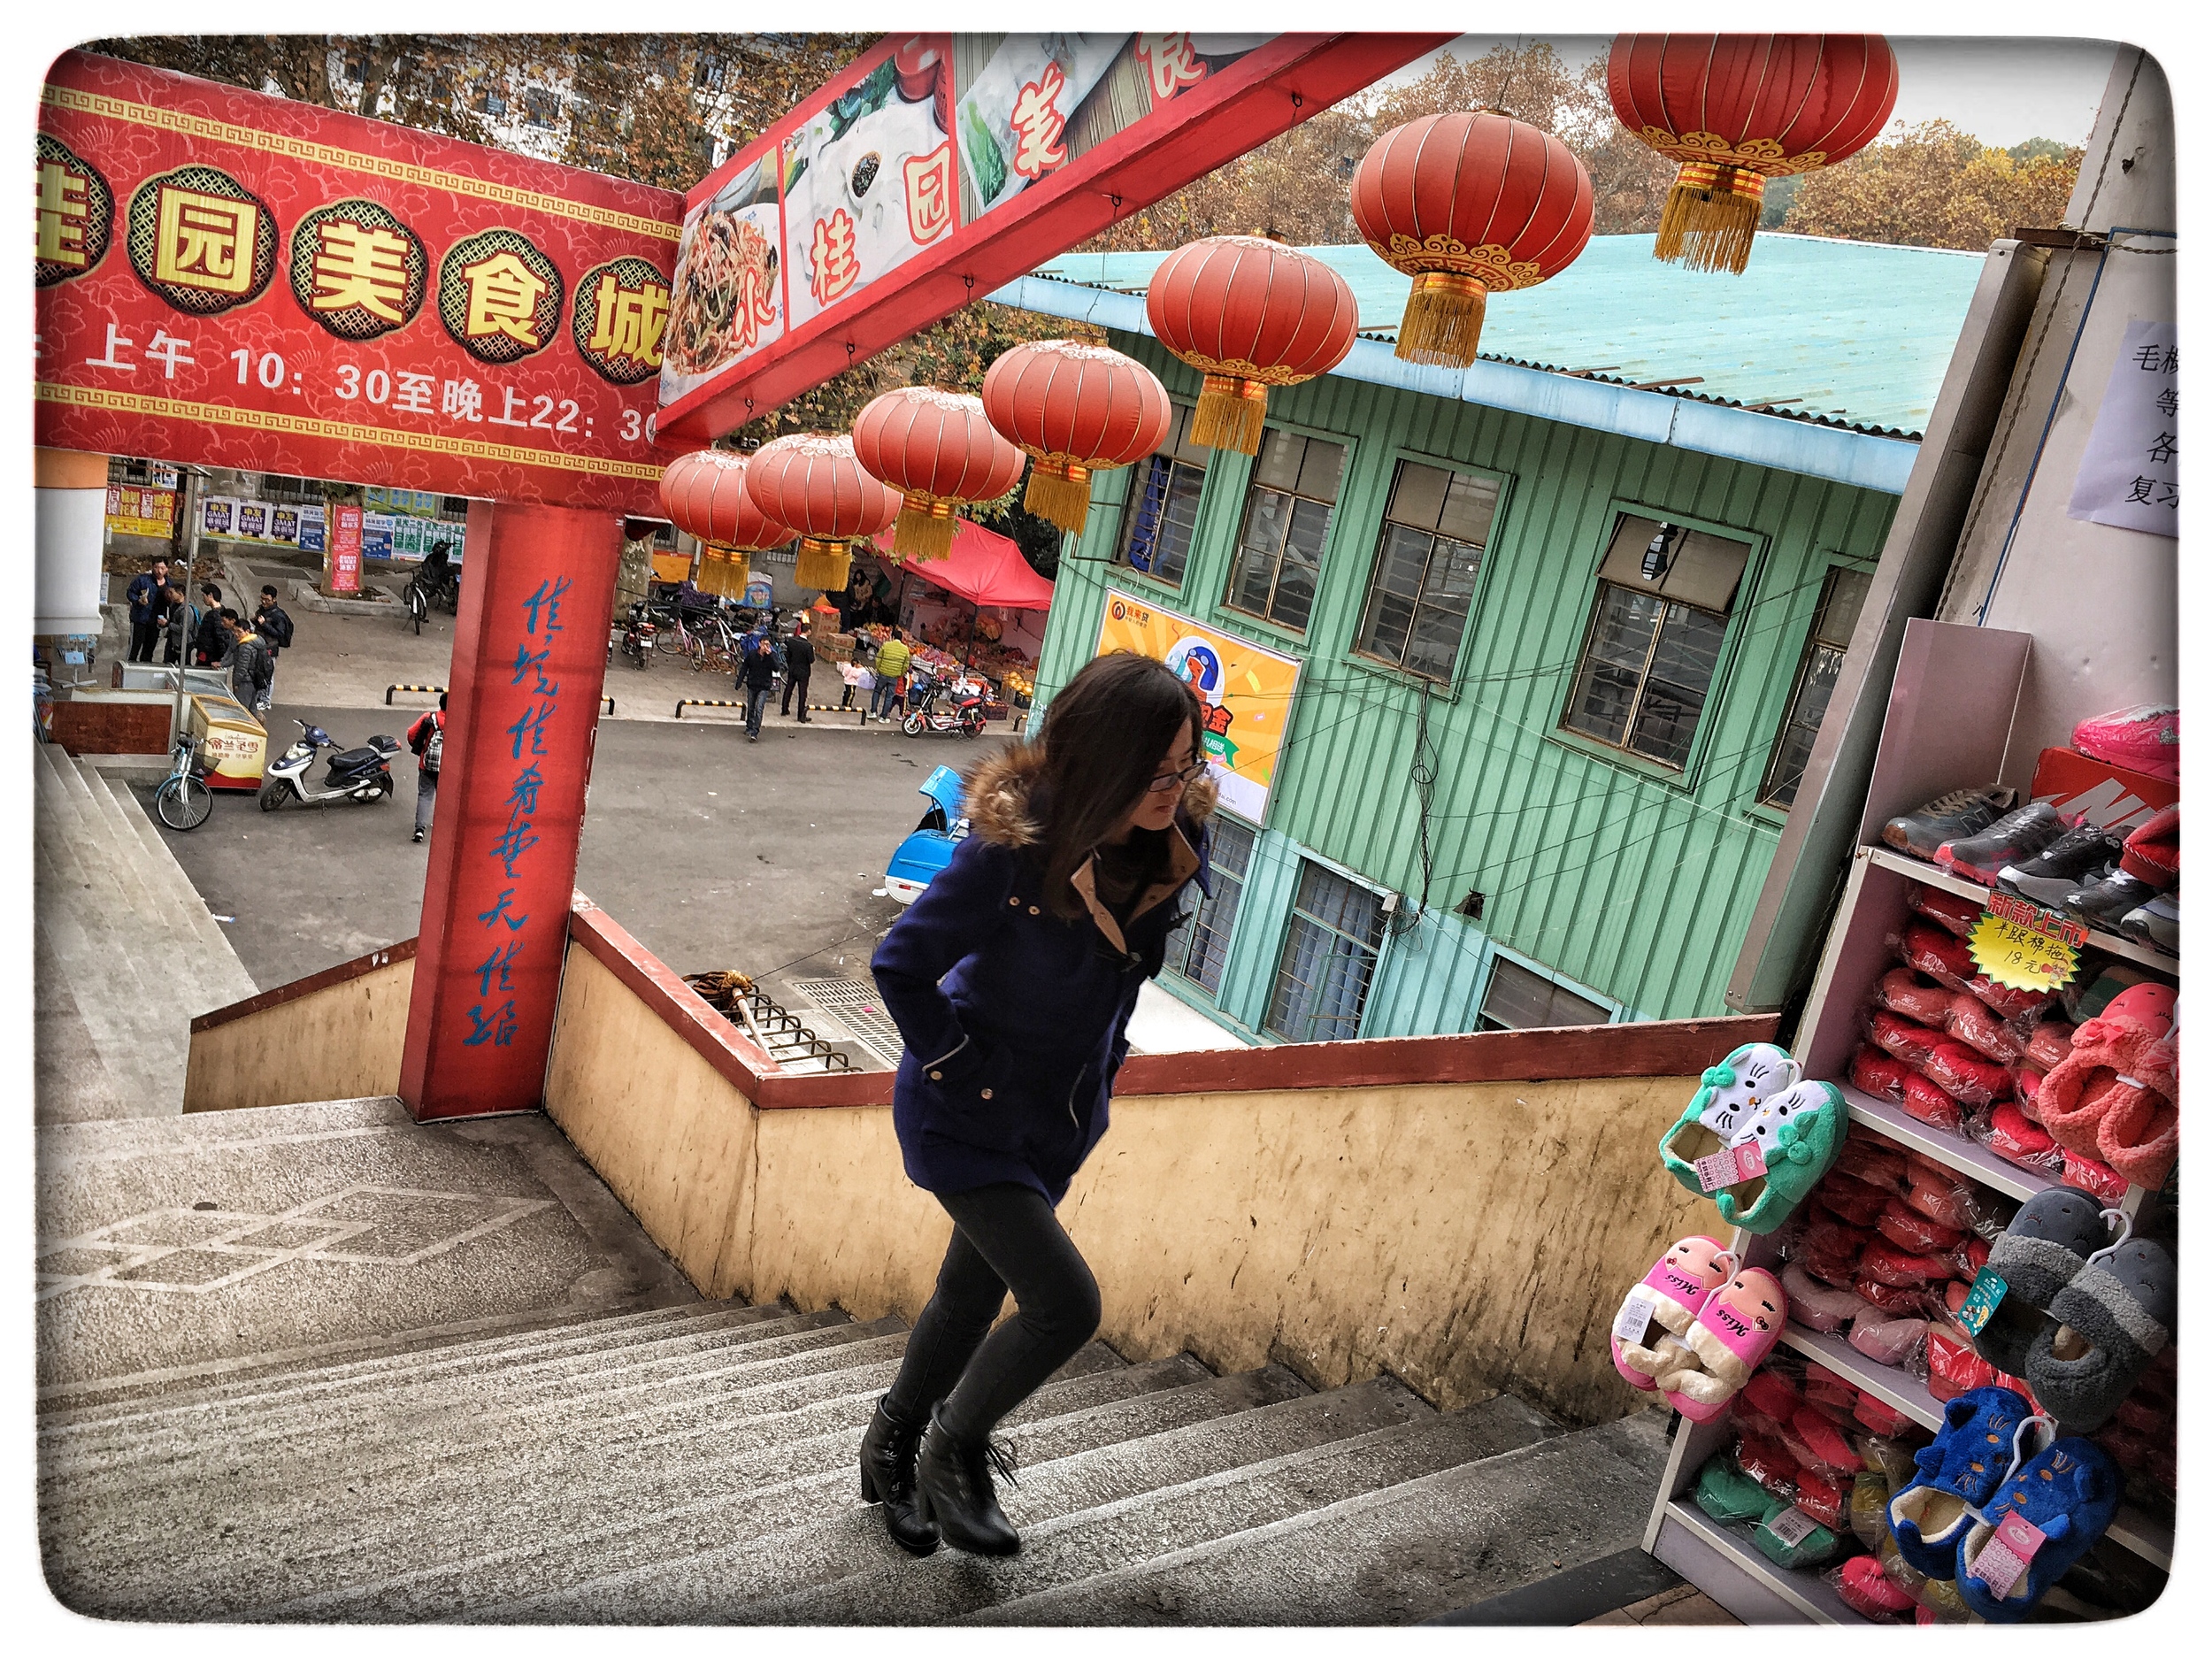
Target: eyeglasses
{"x": 1168, "y": 780}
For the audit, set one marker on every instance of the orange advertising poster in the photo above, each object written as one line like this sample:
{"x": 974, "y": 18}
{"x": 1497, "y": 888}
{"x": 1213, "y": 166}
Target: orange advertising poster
{"x": 1245, "y": 691}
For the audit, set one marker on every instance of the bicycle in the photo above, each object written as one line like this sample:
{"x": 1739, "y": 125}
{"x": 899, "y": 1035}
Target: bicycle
{"x": 182, "y": 800}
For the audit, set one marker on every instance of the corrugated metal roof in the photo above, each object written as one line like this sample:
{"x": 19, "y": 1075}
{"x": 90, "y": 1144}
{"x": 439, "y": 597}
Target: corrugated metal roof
{"x": 1849, "y": 333}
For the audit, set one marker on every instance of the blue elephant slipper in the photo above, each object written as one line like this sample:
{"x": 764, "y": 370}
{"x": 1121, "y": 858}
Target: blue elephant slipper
{"x": 1954, "y": 1477}
{"x": 2051, "y": 1511}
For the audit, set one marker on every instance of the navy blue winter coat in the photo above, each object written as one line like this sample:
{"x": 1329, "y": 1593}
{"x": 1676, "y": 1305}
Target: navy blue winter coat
{"x": 1010, "y": 1059}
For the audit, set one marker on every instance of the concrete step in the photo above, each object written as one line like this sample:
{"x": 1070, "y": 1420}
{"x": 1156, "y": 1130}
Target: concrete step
{"x": 411, "y": 1408}
{"x": 1391, "y": 1556}
{"x": 111, "y": 1400}
{"x": 358, "y": 1529}
{"x": 220, "y": 972}
{"x": 411, "y": 1355}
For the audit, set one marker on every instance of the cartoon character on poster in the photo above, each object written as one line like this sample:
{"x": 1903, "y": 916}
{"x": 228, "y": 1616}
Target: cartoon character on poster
{"x": 1198, "y": 665}
{"x": 727, "y": 297}
{"x": 868, "y": 181}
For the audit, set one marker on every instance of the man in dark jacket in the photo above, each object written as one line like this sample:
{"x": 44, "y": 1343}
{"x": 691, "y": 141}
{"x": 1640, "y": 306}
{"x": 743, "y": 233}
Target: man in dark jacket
{"x": 209, "y": 641}
{"x": 273, "y": 624}
{"x": 798, "y": 656}
{"x": 148, "y": 607}
{"x": 181, "y": 623}
{"x": 248, "y": 660}
{"x": 756, "y": 676}
{"x": 426, "y": 738}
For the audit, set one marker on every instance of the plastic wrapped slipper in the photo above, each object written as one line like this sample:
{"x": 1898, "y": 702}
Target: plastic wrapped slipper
{"x": 1927, "y": 1101}
{"x": 1830, "y": 1452}
{"x": 1869, "y": 1507}
{"x": 1726, "y": 1493}
{"x": 1771, "y": 1393}
{"x": 2106, "y": 1325}
{"x": 1914, "y": 997}
{"x": 1913, "y": 1232}
{"x": 2051, "y": 1239}
{"x": 1954, "y": 1477}
{"x": 1821, "y": 1495}
{"x": 1814, "y": 1305}
{"x": 1733, "y": 1333}
{"x": 1888, "y": 1341}
{"x": 1765, "y": 1461}
{"x": 1806, "y": 1549}
{"x": 1668, "y": 1299}
{"x": 1878, "y": 1418}
{"x": 2069, "y": 1493}
{"x": 1873, "y": 1160}
{"x": 1866, "y": 1590}
{"x": 1850, "y": 1200}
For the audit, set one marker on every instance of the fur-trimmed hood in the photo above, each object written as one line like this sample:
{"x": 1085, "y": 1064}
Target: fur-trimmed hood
{"x": 996, "y": 797}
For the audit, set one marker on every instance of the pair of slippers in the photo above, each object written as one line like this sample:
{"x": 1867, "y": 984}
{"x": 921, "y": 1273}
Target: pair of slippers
{"x": 2081, "y": 1318}
{"x": 1726, "y": 1493}
{"x": 2114, "y": 1096}
{"x": 1758, "y": 1097}
{"x": 1692, "y": 1331}
{"x": 1994, "y": 1458}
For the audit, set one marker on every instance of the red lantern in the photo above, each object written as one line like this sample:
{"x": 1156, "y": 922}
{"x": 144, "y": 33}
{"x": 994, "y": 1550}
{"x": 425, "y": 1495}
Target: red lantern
{"x": 704, "y": 496}
{"x": 1248, "y": 313}
{"x": 810, "y": 481}
{"x": 1736, "y": 110}
{"x": 939, "y": 449}
{"x": 1076, "y": 409}
{"x": 1468, "y": 205}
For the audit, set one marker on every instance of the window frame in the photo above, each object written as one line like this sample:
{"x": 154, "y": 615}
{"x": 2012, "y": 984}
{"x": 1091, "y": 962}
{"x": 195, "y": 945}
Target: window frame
{"x": 1449, "y": 683}
{"x": 1615, "y": 1008}
{"x": 1829, "y": 567}
{"x": 1243, "y": 880}
{"x": 1300, "y": 633}
{"x": 1690, "y": 775}
{"x": 1132, "y": 499}
{"x": 1287, "y": 934}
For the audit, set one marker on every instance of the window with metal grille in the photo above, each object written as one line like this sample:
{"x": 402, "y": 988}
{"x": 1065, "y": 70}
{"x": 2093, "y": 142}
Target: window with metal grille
{"x": 1199, "y": 949}
{"x": 488, "y": 99}
{"x": 1426, "y": 566}
{"x": 1656, "y": 633}
{"x": 1287, "y": 514}
{"x": 1336, "y": 929}
{"x": 1162, "y": 509}
{"x": 540, "y": 107}
{"x": 1519, "y": 1000}
{"x": 1842, "y": 597}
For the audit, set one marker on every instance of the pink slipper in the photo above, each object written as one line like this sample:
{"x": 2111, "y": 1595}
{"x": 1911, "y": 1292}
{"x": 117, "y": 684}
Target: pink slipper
{"x": 1670, "y": 1294}
{"x": 1734, "y": 1332}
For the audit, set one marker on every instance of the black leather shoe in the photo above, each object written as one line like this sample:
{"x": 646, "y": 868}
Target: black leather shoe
{"x": 953, "y": 1488}
{"x": 886, "y": 1477}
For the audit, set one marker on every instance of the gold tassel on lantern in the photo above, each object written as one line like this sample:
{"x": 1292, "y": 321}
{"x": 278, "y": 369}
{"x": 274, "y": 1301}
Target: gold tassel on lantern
{"x": 1711, "y": 215}
{"x": 824, "y": 565}
{"x": 925, "y": 528}
{"x": 1231, "y": 411}
{"x": 1060, "y": 493}
{"x": 1443, "y": 319}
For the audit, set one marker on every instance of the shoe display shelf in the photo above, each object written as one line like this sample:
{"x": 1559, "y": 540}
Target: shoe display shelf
{"x": 1926, "y": 750}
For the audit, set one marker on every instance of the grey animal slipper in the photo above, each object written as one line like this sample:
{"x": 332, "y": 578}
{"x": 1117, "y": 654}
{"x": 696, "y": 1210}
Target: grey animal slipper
{"x": 2038, "y": 1255}
{"x": 2105, "y": 1328}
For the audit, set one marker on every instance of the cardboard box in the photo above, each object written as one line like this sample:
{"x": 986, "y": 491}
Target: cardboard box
{"x": 2110, "y": 796}
{"x": 233, "y": 744}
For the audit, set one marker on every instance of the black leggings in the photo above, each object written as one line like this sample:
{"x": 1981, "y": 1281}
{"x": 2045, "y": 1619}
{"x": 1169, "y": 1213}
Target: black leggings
{"x": 1003, "y": 1237}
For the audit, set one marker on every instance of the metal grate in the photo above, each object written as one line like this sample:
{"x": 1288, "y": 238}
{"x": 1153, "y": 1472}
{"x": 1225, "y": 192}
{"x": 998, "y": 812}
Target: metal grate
{"x": 856, "y": 1005}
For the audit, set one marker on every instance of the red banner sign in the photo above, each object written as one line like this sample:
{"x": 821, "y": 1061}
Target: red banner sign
{"x": 254, "y": 282}
{"x": 345, "y": 548}
{"x": 936, "y": 167}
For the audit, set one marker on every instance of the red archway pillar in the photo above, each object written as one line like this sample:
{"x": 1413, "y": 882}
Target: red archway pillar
{"x": 529, "y": 657}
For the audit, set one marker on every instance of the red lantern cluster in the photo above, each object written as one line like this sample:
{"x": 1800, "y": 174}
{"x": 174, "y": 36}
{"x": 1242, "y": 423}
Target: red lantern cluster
{"x": 1468, "y": 205}
{"x": 1736, "y": 110}
{"x": 1074, "y": 408}
{"x": 810, "y": 481}
{"x": 704, "y": 496}
{"x": 938, "y": 449}
{"x": 1248, "y": 313}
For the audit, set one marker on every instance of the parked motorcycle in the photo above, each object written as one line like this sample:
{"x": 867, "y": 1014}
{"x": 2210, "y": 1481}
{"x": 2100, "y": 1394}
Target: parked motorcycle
{"x": 943, "y": 705}
{"x": 353, "y": 774}
{"x": 638, "y": 635}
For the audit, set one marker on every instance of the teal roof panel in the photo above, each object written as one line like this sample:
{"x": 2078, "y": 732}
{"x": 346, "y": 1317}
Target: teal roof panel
{"x": 1848, "y": 334}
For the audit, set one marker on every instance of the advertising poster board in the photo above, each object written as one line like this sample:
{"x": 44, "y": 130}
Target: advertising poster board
{"x": 1245, "y": 689}
{"x": 134, "y": 511}
{"x": 343, "y": 562}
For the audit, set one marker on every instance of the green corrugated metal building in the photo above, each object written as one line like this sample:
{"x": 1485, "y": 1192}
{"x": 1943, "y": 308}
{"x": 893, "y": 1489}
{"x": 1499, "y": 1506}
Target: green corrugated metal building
{"x": 1564, "y": 632}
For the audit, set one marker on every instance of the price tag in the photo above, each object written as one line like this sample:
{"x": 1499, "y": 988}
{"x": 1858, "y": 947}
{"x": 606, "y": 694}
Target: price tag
{"x": 1981, "y": 1302}
{"x": 1793, "y": 1526}
{"x": 1634, "y": 1323}
{"x": 1730, "y": 1165}
{"x": 2007, "y": 1554}
{"x": 2025, "y": 948}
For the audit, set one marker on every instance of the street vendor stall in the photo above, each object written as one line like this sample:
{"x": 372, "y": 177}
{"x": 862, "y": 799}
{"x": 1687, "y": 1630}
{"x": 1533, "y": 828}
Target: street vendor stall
{"x": 981, "y": 607}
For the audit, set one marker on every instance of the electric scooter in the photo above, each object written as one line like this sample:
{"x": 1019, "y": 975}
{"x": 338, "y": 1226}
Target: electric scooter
{"x": 353, "y": 774}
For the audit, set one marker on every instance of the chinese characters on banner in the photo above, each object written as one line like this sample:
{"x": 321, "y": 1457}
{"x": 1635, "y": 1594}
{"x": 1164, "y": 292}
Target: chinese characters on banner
{"x": 2130, "y": 475}
{"x": 133, "y": 511}
{"x": 265, "y": 284}
{"x": 344, "y": 554}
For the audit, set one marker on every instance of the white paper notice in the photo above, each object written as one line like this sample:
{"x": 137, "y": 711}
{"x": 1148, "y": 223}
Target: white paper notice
{"x": 2130, "y": 475}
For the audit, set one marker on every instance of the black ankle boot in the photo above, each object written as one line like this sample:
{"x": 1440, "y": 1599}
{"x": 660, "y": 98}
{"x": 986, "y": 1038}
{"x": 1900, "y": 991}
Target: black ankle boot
{"x": 953, "y": 1488}
{"x": 886, "y": 1477}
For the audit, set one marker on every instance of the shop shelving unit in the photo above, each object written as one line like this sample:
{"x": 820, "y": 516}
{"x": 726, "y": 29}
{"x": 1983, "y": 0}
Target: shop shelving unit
{"x": 1925, "y": 751}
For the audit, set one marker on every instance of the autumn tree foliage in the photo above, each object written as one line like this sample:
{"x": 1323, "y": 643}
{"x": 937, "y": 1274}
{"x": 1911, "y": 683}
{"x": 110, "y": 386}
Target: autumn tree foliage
{"x": 1932, "y": 186}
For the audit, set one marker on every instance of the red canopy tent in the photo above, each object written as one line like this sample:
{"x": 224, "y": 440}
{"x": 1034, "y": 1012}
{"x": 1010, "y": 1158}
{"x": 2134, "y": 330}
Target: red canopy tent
{"x": 983, "y": 568}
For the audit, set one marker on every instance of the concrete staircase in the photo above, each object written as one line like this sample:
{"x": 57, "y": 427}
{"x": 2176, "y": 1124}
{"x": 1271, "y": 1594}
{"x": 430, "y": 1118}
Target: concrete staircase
{"x": 697, "y": 1464}
{"x": 127, "y": 954}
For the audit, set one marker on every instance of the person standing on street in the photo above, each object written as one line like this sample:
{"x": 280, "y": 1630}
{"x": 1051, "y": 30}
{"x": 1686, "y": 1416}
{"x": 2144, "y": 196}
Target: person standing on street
{"x": 798, "y": 656}
{"x": 273, "y": 624}
{"x": 147, "y": 599}
{"x": 248, "y": 660}
{"x": 179, "y": 624}
{"x": 891, "y": 657}
{"x": 757, "y": 677}
{"x": 426, "y": 738}
{"x": 209, "y": 641}
{"x": 1011, "y": 979}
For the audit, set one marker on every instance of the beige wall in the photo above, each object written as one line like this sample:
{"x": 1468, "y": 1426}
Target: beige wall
{"x": 1468, "y": 1238}
{"x": 340, "y": 1043}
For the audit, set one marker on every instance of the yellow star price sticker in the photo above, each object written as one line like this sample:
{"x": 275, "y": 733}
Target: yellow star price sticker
{"x": 2023, "y": 948}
